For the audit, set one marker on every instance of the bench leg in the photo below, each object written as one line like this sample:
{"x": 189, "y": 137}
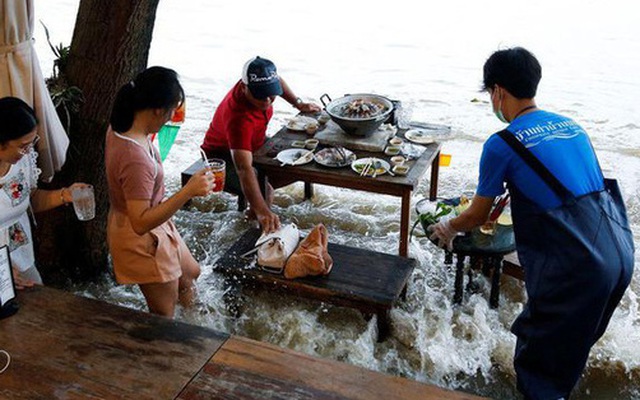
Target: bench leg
{"x": 384, "y": 325}
{"x": 457, "y": 295}
{"x": 494, "y": 297}
{"x": 242, "y": 202}
{"x": 308, "y": 190}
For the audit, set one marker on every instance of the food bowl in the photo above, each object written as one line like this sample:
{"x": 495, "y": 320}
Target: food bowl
{"x": 323, "y": 118}
{"x": 392, "y": 150}
{"x": 311, "y": 128}
{"x": 397, "y": 160}
{"x": 358, "y": 114}
{"x": 311, "y": 144}
{"x": 298, "y": 144}
{"x": 395, "y": 141}
{"x": 400, "y": 169}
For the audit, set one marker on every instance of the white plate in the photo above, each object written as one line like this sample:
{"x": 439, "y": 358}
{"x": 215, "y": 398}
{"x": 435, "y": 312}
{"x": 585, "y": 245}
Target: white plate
{"x": 330, "y": 157}
{"x": 419, "y": 136}
{"x": 359, "y": 164}
{"x": 299, "y": 123}
{"x": 295, "y": 156}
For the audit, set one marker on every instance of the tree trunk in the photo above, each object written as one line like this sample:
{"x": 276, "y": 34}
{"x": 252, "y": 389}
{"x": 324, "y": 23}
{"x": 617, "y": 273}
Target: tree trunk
{"x": 110, "y": 46}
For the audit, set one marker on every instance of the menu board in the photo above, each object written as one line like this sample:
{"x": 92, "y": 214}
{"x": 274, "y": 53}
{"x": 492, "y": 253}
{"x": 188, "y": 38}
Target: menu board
{"x": 7, "y": 290}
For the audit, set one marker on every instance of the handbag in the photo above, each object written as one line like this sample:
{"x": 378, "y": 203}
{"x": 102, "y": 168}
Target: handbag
{"x": 275, "y": 248}
{"x": 311, "y": 257}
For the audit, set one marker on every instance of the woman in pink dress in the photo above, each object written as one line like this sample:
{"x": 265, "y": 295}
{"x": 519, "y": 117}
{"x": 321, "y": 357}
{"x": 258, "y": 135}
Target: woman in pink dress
{"x": 145, "y": 246}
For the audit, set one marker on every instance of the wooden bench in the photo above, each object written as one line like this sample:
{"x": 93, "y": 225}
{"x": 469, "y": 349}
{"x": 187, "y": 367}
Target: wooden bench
{"x": 366, "y": 280}
{"x": 197, "y": 166}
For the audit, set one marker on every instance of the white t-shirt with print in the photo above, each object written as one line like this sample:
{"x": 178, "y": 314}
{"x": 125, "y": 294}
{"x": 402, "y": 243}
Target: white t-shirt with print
{"x": 15, "y": 190}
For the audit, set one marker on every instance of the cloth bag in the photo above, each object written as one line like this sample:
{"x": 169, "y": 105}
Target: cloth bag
{"x": 275, "y": 248}
{"x": 311, "y": 257}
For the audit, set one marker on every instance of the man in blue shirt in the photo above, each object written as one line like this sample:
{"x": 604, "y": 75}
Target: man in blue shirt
{"x": 570, "y": 224}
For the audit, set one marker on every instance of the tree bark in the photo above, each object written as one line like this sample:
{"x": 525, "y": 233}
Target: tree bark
{"x": 110, "y": 46}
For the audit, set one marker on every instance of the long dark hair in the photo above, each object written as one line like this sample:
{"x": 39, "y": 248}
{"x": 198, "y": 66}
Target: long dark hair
{"x": 17, "y": 119}
{"x": 155, "y": 87}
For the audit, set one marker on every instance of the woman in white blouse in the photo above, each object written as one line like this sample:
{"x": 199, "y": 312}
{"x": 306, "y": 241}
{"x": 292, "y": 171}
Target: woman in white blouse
{"x": 18, "y": 187}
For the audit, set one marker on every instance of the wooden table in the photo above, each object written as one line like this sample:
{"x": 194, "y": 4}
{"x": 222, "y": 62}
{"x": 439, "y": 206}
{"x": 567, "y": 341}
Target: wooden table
{"x": 366, "y": 280}
{"x": 69, "y": 347}
{"x": 244, "y": 369}
{"x": 400, "y": 186}
{"x": 64, "y": 346}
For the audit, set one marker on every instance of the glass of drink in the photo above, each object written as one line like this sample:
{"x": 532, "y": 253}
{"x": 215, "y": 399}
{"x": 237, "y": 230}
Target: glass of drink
{"x": 84, "y": 203}
{"x": 217, "y": 167}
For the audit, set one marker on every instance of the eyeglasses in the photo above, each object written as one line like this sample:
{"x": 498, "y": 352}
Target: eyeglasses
{"x": 24, "y": 148}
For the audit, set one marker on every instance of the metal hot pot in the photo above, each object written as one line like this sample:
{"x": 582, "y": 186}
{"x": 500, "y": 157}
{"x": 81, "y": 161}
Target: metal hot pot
{"x": 354, "y": 124}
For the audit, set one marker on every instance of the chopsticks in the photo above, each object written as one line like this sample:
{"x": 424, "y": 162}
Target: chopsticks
{"x": 341, "y": 153}
{"x": 366, "y": 168}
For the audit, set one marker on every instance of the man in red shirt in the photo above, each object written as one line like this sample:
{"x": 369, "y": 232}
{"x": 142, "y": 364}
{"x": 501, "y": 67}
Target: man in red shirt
{"x": 238, "y": 129}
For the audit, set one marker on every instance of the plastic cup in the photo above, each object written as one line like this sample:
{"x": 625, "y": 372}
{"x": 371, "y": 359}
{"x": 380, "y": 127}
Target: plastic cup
{"x": 218, "y": 169}
{"x": 84, "y": 203}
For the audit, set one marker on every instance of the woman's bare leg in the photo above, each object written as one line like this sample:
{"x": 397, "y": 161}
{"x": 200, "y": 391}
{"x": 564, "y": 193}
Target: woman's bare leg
{"x": 190, "y": 272}
{"x": 161, "y": 297}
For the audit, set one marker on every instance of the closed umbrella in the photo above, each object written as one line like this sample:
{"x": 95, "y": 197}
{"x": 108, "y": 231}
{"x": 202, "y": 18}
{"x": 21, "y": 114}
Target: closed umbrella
{"x": 20, "y": 76}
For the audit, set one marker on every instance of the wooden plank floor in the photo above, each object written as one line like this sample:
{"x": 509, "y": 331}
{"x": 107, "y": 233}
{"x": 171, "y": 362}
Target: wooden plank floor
{"x": 70, "y": 347}
{"x": 246, "y": 369}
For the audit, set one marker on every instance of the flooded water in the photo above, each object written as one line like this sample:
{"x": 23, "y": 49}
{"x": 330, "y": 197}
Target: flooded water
{"x": 430, "y": 58}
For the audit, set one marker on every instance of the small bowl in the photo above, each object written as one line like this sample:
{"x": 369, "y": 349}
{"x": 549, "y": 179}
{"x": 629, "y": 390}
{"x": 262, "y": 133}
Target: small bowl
{"x": 298, "y": 144}
{"x": 400, "y": 169}
{"x": 397, "y": 160}
{"x": 392, "y": 150}
{"x": 395, "y": 141}
{"x": 323, "y": 118}
{"x": 311, "y": 144}
{"x": 311, "y": 128}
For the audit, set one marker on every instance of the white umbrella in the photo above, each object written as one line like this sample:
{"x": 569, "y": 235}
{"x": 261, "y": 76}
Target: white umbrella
{"x": 20, "y": 76}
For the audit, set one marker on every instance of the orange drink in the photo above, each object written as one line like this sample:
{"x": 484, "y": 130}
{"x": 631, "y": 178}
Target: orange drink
{"x": 218, "y": 169}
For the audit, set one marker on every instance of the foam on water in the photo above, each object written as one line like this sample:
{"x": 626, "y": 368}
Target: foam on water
{"x": 431, "y": 59}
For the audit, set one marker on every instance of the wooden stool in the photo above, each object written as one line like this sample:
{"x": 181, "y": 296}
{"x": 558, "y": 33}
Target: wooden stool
{"x": 366, "y": 280}
{"x": 485, "y": 252}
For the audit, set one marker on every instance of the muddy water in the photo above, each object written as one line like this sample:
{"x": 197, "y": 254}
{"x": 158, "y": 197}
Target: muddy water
{"x": 431, "y": 59}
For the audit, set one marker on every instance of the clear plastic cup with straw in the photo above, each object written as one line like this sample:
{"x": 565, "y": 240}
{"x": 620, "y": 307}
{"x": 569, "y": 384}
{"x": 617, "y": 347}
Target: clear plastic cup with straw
{"x": 217, "y": 167}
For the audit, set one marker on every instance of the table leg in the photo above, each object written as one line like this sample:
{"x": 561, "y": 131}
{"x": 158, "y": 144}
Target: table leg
{"x": 435, "y": 171}
{"x": 457, "y": 295}
{"x": 494, "y": 297}
{"x": 405, "y": 211}
{"x": 384, "y": 325}
{"x": 308, "y": 190}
